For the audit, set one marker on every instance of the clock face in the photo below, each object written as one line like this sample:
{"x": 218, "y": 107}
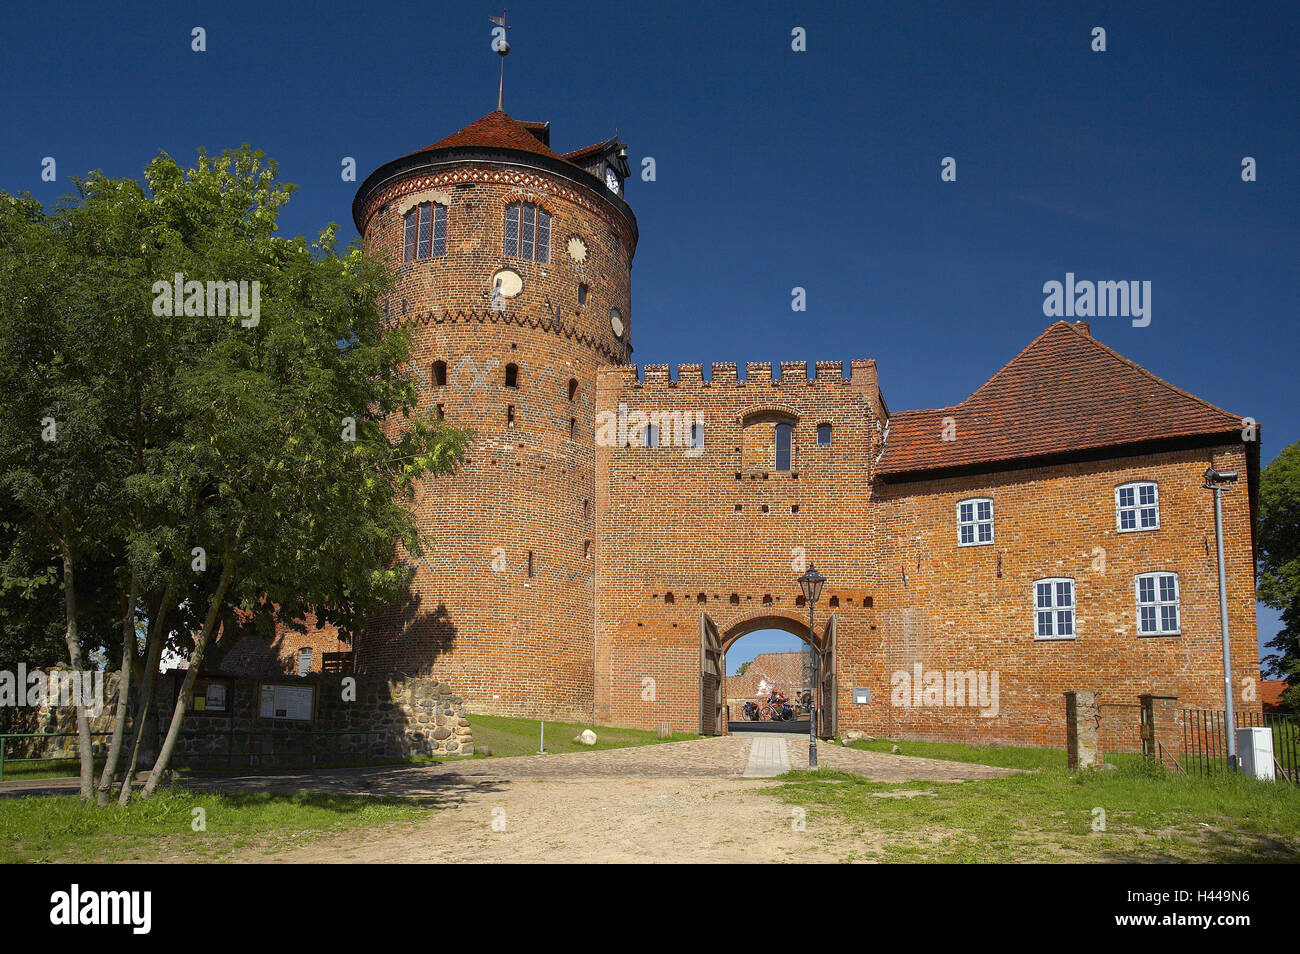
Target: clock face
{"x": 508, "y": 282}
{"x": 611, "y": 180}
{"x": 616, "y": 322}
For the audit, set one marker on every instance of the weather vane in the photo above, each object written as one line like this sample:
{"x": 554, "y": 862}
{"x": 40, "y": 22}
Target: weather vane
{"x": 503, "y": 50}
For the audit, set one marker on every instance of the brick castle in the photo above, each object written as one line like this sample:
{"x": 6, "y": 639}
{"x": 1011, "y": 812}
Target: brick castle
{"x": 615, "y": 529}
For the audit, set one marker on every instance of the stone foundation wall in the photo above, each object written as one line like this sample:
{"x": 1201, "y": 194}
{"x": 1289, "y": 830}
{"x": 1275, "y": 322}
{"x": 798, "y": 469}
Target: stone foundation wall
{"x": 352, "y": 719}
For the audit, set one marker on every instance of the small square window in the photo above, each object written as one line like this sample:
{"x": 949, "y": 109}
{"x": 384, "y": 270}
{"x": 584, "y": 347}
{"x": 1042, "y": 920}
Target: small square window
{"x": 975, "y": 522}
{"x": 823, "y": 435}
{"x": 1137, "y": 507}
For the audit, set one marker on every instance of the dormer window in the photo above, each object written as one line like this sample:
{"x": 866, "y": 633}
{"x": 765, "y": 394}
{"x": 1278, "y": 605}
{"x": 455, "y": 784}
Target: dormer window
{"x": 528, "y": 232}
{"x": 425, "y": 232}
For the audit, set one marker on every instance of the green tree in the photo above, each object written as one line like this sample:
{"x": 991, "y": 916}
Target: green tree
{"x": 209, "y": 460}
{"x": 1279, "y": 563}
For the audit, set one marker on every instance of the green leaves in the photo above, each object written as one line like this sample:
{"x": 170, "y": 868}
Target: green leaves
{"x": 1278, "y": 544}
{"x": 185, "y": 431}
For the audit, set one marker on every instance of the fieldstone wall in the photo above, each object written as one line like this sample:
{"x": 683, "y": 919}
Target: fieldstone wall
{"x": 56, "y": 721}
{"x": 353, "y": 719}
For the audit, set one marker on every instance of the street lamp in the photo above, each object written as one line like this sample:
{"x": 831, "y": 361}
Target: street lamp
{"x": 811, "y": 584}
{"x": 1217, "y": 481}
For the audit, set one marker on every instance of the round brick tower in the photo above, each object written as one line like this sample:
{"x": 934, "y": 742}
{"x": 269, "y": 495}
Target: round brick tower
{"x": 513, "y": 269}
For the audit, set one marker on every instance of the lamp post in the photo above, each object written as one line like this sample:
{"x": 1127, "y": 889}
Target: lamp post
{"x": 1217, "y": 481}
{"x": 811, "y": 584}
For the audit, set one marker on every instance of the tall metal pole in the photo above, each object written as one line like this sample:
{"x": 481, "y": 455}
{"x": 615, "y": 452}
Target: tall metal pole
{"x": 812, "y": 698}
{"x": 1223, "y": 622}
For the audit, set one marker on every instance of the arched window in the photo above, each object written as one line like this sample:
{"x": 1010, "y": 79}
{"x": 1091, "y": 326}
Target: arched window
{"x": 573, "y": 388}
{"x": 425, "y": 232}
{"x": 512, "y": 375}
{"x": 440, "y": 374}
{"x": 784, "y": 436}
{"x": 528, "y": 232}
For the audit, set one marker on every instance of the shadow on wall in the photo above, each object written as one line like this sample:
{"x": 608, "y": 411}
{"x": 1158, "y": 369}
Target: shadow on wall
{"x": 403, "y": 633}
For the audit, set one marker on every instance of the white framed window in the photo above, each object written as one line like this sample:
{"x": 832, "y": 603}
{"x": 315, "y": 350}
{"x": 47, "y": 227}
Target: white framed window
{"x": 975, "y": 522}
{"x": 1157, "y": 604}
{"x": 304, "y": 661}
{"x": 1137, "y": 506}
{"x": 1054, "y": 608}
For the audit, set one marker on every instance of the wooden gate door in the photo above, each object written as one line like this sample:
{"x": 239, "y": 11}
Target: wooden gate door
{"x": 710, "y": 677}
{"x": 828, "y": 688}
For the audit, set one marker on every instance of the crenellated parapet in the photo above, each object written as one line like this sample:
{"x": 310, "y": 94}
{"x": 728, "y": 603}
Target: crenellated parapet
{"x": 758, "y": 374}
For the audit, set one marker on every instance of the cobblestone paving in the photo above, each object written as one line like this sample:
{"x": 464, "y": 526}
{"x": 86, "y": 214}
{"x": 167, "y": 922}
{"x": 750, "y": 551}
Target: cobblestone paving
{"x": 722, "y": 757}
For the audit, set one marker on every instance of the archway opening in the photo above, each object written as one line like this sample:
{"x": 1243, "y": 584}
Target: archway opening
{"x": 769, "y": 678}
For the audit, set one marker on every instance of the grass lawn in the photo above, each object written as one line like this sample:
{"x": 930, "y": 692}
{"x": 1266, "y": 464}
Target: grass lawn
{"x": 1004, "y": 757}
{"x": 59, "y": 828}
{"x": 46, "y": 768}
{"x": 1145, "y": 813}
{"x": 507, "y": 736}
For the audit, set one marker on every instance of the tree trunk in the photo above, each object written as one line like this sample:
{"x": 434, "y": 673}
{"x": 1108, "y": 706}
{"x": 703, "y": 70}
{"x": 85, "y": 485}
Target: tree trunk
{"x": 187, "y": 687}
{"x": 74, "y": 657}
{"x": 152, "y": 656}
{"x": 123, "y": 695}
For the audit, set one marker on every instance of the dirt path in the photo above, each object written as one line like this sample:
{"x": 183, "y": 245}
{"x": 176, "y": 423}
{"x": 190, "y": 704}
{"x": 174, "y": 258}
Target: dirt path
{"x": 676, "y": 802}
{"x": 587, "y": 820}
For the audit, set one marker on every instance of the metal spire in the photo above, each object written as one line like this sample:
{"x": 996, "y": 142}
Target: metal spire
{"x": 503, "y": 50}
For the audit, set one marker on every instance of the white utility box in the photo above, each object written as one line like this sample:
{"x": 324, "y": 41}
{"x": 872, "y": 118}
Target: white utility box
{"x": 1255, "y": 751}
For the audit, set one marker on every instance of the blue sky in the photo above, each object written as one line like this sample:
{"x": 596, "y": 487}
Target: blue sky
{"x": 776, "y": 169}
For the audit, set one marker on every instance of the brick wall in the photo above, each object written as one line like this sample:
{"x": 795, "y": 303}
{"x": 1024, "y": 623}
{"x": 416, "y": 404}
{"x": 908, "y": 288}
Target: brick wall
{"x": 502, "y": 605}
{"x": 682, "y": 535}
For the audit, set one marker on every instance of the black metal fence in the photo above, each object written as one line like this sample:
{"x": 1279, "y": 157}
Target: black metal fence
{"x": 1205, "y": 741}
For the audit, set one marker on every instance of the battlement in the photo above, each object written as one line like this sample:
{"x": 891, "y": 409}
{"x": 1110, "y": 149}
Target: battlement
{"x": 861, "y": 374}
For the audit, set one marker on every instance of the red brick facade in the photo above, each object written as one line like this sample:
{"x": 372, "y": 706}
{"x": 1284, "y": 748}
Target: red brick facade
{"x": 569, "y": 568}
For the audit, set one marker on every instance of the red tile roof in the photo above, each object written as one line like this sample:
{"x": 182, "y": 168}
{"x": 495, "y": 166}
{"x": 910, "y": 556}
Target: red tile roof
{"x": 1270, "y": 695}
{"x": 586, "y": 152}
{"x": 768, "y": 671}
{"x": 496, "y": 130}
{"x": 1065, "y": 392}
